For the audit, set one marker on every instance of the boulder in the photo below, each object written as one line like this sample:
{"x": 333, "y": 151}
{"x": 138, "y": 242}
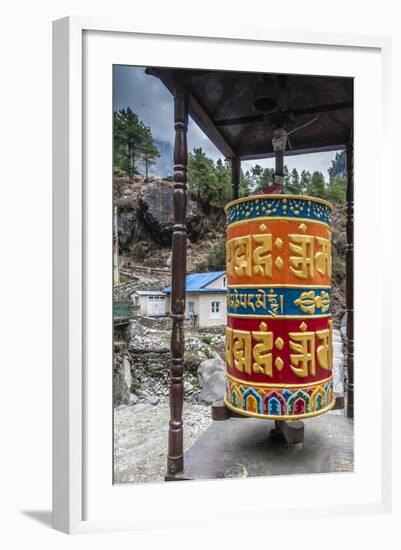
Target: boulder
{"x": 130, "y": 225}
{"x": 122, "y": 381}
{"x": 208, "y": 367}
{"x": 155, "y": 201}
{"x": 212, "y": 378}
{"x": 213, "y": 388}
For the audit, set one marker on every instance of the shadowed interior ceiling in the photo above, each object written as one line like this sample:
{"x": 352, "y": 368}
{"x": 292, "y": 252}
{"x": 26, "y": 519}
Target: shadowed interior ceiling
{"x": 221, "y": 103}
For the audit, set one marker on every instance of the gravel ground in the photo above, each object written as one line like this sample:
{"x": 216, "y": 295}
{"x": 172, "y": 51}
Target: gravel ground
{"x": 140, "y": 431}
{"x": 140, "y": 439}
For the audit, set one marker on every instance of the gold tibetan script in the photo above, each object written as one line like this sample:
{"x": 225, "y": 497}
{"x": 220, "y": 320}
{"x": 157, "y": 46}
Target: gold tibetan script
{"x": 240, "y": 355}
{"x": 323, "y": 257}
{"x": 324, "y": 351}
{"x": 308, "y": 253}
{"x": 302, "y": 362}
{"x": 262, "y": 258}
{"x": 262, "y": 353}
{"x": 303, "y": 343}
{"x": 272, "y": 303}
{"x": 242, "y": 350}
{"x": 259, "y": 360}
{"x": 239, "y": 256}
{"x": 301, "y": 262}
{"x": 242, "y": 262}
{"x": 305, "y": 259}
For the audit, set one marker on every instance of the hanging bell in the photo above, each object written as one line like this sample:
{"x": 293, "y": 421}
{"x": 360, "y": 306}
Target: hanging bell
{"x": 265, "y": 98}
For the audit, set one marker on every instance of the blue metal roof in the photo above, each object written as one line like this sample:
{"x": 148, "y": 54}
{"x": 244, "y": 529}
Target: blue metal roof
{"x": 196, "y": 282}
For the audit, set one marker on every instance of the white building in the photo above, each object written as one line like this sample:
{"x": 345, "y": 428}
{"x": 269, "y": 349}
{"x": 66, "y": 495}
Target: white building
{"x": 205, "y": 298}
{"x": 151, "y": 303}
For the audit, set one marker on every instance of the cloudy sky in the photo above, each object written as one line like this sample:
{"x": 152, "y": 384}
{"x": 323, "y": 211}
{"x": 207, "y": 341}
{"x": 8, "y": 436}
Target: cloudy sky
{"x": 153, "y": 104}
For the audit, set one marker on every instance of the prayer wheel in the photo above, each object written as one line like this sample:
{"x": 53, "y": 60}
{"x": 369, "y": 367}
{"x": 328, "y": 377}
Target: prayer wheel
{"x": 279, "y": 350}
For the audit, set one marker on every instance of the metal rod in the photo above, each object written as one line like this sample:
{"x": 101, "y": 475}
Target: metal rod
{"x": 279, "y": 168}
{"x": 349, "y": 296}
{"x": 279, "y": 142}
{"x": 175, "y": 457}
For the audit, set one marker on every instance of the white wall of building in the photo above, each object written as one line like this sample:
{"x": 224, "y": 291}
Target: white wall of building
{"x": 202, "y": 307}
{"x": 153, "y": 306}
{"x": 220, "y": 282}
{"x": 212, "y": 309}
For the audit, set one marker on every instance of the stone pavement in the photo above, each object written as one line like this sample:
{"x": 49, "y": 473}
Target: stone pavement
{"x": 242, "y": 447}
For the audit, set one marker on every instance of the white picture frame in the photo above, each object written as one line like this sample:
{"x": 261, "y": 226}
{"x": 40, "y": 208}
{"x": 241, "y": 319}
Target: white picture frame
{"x": 75, "y": 477}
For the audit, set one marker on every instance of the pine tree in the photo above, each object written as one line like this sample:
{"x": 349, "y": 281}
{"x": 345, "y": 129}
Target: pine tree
{"x": 245, "y": 186}
{"x": 132, "y": 142}
{"x": 223, "y": 182}
{"x": 336, "y": 190}
{"x": 296, "y": 185}
{"x": 305, "y": 180}
{"x": 202, "y": 180}
{"x": 256, "y": 173}
{"x": 287, "y": 177}
{"x": 316, "y": 185}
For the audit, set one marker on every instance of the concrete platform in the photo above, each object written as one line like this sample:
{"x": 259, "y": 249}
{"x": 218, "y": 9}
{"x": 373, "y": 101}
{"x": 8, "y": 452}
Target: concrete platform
{"x": 243, "y": 447}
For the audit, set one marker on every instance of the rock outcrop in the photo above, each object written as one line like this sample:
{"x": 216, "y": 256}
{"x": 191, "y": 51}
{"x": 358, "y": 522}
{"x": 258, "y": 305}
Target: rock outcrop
{"x": 155, "y": 203}
{"x": 129, "y": 225}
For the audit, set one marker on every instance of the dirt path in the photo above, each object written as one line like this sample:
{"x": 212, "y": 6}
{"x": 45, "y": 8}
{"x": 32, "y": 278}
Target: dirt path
{"x": 140, "y": 439}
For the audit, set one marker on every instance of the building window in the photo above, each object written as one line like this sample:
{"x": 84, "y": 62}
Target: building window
{"x": 224, "y": 281}
{"x": 215, "y": 308}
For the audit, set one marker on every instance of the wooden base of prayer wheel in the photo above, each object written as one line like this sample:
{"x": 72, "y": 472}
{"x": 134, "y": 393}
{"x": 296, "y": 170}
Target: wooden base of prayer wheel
{"x": 279, "y": 350}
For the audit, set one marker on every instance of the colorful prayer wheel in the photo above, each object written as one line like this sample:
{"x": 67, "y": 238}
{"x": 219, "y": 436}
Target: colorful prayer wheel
{"x": 279, "y": 350}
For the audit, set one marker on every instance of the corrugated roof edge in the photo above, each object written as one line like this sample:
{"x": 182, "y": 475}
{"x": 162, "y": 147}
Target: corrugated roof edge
{"x": 203, "y": 280}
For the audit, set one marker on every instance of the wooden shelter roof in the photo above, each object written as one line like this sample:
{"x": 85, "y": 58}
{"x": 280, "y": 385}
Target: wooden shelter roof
{"x": 221, "y": 104}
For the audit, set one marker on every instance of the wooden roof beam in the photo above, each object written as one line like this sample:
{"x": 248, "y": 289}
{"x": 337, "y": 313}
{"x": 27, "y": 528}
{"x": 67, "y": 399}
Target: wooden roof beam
{"x": 292, "y": 152}
{"x": 318, "y": 109}
{"x": 197, "y": 112}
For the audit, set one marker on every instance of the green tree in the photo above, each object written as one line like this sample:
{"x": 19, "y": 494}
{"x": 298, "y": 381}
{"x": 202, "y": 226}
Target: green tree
{"x": 336, "y": 190}
{"x": 287, "y": 177}
{"x": 316, "y": 185}
{"x": 261, "y": 177}
{"x": 246, "y": 179}
{"x": 296, "y": 184}
{"x": 245, "y": 185}
{"x": 256, "y": 173}
{"x": 216, "y": 258}
{"x": 223, "y": 182}
{"x": 305, "y": 180}
{"x": 132, "y": 142}
{"x": 202, "y": 180}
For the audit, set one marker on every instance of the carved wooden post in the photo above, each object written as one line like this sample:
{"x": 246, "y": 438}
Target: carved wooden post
{"x": 175, "y": 458}
{"x": 350, "y": 280}
{"x": 235, "y": 176}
